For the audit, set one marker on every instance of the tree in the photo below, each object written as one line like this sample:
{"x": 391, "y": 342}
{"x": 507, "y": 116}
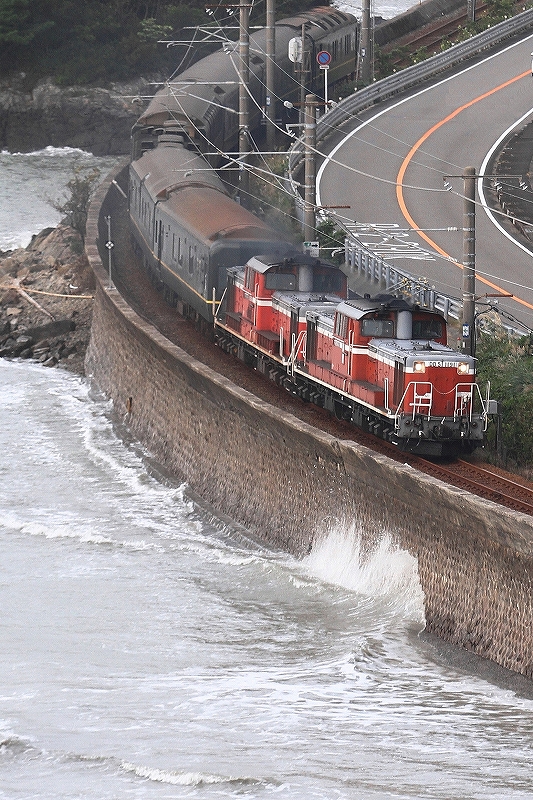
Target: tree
{"x": 75, "y": 207}
{"x": 18, "y": 25}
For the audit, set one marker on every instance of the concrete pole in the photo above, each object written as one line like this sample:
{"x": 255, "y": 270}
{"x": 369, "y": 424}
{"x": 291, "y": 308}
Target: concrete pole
{"x": 310, "y": 167}
{"x": 244, "y": 79}
{"x": 469, "y": 260}
{"x": 302, "y": 78}
{"x": 365, "y": 53}
{"x": 270, "y": 74}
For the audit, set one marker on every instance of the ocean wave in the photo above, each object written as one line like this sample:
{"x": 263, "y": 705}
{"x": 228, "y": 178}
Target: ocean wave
{"x": 13, "y": 745}
{"x": 66, "y": 530}
{"x": 176, "y": 778}
{"x": 53, "y": 152}
{"x": 386, "y": 571}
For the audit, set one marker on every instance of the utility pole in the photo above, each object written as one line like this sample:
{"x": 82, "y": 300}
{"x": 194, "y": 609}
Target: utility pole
{"x": 365, "y": 47}
{"x": 469, "y": 260}
{"x": 270, "y": 110}
{"x": 244, "y": 79}
{"x": 303, "y": 72}
{"x": 310, "y": 167}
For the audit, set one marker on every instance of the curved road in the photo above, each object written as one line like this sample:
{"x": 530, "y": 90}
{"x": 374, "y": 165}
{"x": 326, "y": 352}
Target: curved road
{"x": 390, "y": 168}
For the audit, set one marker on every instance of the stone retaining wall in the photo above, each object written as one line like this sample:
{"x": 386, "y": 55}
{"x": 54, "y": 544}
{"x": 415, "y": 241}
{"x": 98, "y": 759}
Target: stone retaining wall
{"x": 289, "y": 484}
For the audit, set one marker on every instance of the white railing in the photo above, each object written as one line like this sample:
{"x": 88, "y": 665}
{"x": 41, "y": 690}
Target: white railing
{"x": 360, "y": 258}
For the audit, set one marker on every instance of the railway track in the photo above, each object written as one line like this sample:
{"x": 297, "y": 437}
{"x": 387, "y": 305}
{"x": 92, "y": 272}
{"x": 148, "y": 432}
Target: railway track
{"x": 482, "y": 480}
{"x": 428, "y": 38}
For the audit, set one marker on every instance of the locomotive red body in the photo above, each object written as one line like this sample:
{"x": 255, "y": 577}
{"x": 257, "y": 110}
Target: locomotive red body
{"x": 378, "y": 362}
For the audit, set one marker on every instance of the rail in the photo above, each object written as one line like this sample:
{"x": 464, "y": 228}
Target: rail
{"x": 358, "y": 257}
{"x": 418, "y": 73}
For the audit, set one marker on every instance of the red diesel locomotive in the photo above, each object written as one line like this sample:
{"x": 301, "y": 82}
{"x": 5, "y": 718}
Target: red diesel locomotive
{"x": 380, "y": 362}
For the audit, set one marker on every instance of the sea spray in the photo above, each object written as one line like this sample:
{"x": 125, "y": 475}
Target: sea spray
{"x": 384, "y": 570}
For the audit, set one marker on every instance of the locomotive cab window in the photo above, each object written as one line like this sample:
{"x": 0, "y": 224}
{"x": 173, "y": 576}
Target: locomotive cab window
{"x": 280, "y": 279}
{"x": 427, "y": 329}
{"x": 377, "y": 328}
{"x": 327, "y": 281}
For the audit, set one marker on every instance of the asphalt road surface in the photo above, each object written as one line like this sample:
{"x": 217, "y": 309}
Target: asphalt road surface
{"x": 390, "y": 169}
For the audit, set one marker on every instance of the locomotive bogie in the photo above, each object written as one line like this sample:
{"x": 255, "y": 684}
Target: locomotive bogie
{"x": 379, "y": 363}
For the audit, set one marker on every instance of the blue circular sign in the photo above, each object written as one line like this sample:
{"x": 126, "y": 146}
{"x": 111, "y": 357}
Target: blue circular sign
{"x": 324, "y": 58}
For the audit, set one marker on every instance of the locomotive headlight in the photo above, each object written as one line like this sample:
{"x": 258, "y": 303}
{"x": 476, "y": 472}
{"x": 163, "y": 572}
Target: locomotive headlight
{"x": 419, "y": 367}
{"x": 463, "y": 368}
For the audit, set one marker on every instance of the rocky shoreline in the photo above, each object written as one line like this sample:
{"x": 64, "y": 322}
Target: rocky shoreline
{"x": 46, "y": 299}
{"x": 89, "y": 118}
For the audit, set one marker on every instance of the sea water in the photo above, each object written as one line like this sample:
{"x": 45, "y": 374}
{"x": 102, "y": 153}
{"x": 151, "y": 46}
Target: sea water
{"x": 149, "y": 650}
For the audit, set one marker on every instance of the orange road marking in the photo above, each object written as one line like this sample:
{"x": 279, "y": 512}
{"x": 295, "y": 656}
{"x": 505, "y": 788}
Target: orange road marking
{"x": 408, "y": 159}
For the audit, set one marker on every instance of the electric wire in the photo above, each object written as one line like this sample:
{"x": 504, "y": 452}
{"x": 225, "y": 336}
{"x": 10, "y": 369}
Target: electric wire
{"x": 254, "y": 170}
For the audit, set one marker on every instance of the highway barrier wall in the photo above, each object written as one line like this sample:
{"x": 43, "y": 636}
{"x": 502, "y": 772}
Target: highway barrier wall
{"x": 290, "y": 484}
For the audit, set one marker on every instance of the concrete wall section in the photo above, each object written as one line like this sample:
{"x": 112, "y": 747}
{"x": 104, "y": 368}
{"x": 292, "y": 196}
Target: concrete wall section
{"x": 289, "y": 483}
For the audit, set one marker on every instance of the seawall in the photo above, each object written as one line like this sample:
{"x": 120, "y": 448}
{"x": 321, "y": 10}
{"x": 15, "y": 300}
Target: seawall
{"x": 289, "y": 483}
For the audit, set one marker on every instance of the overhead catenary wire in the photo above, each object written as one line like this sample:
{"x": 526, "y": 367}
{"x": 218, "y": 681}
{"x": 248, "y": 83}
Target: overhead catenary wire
{"x": 279, "y": 182}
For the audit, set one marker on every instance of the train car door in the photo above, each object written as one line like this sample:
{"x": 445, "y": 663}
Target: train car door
{"x": 398, "y": 383}
{"x": 294, "y": 325}
{"x": 311, "y": 340}
{"x": 159, "y": 240}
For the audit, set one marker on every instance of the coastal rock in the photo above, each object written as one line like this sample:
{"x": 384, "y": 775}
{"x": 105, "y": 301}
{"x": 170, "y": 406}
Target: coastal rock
{"x": 94, "y": 119}
{"x": 46, "y": 294}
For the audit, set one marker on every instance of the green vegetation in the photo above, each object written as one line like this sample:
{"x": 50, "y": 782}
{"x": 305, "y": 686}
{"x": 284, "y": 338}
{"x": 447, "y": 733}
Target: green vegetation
{"x": 75, "y": 206}
{"x": 269, "y": 198}
{"x": 94, "y": 42}
{"x": 507, "y": 362}
{"x": 331, "y": 239}
{"x": 495, "y": 12}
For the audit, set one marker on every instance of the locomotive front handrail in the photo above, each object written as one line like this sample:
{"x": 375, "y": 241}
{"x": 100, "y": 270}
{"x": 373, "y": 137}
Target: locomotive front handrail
{"x": 464, "y": 400}
{"x": 297, "y": 345}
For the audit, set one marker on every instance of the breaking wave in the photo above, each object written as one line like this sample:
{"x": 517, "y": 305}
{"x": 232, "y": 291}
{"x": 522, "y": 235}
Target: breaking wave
{"x": 178, "y": 778}
{"x": 383, "y": 571}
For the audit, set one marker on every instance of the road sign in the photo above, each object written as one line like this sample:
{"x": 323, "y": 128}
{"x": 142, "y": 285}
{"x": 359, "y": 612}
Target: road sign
{"x": 312, "y": 249}
{"x": 324, "y": 58}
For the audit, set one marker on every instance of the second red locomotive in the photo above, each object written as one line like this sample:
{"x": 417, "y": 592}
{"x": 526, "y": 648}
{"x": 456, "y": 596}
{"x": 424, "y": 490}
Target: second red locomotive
{"x": 380, "y": 362}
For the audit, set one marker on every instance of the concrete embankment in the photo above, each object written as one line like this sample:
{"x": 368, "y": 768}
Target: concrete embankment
{"x": 290, "y": 484}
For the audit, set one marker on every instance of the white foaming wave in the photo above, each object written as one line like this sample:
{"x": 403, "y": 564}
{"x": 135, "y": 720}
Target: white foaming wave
{"x": 70, "y": 529}
{"x": 51, "y": 152}
{"x": 107, "y": 451}
{"x": 386, "y": 571}
{"x": 65, "y": 530}
{"x": 12, "y": 743}
{"x": 387, "y": 10}
{"x": 182, "y": 778}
